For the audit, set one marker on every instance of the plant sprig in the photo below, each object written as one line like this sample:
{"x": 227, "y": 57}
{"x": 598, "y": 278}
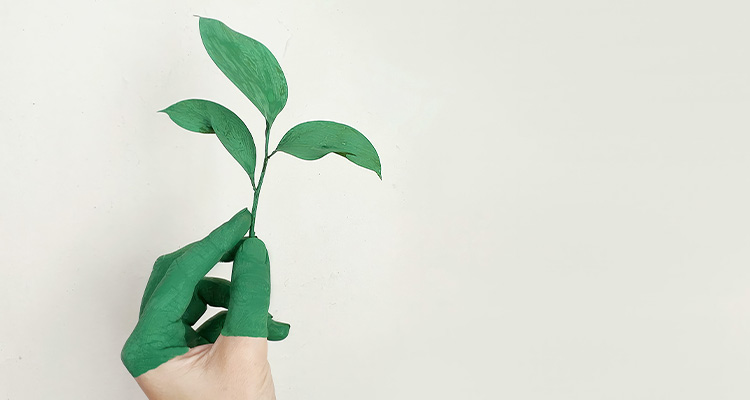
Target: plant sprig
{"x": 257, "y": 74}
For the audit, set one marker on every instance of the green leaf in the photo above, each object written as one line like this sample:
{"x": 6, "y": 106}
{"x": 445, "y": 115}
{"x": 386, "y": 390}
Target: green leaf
{"x": 314, "y": 139}
{"x": 205, "y": 116}
{"x": 248, "y": 64}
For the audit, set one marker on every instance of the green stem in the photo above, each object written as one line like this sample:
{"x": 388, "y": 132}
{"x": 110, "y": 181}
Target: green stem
{"x": 260, "y": 182}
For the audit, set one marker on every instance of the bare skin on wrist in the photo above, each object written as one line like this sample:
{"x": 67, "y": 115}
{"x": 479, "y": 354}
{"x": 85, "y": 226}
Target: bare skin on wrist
{"x": 233, "y": 368}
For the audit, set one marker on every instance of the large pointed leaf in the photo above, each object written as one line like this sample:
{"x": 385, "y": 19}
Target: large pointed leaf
{"x": 314, "y": 139}
{"x": 205, "y": 116}
{"x": 248, "y": 64}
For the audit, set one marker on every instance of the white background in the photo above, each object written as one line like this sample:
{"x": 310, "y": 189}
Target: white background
{"x": 563, "y": 214}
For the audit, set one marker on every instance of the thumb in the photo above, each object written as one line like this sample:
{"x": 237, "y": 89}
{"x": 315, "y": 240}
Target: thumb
{"x": 250, "y": 294}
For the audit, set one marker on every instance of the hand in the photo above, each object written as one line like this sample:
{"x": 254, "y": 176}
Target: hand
{"x": 225, "y": 358}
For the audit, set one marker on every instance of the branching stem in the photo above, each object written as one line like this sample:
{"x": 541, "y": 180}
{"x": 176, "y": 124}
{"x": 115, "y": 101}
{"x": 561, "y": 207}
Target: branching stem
{"x": 256, "y": 195}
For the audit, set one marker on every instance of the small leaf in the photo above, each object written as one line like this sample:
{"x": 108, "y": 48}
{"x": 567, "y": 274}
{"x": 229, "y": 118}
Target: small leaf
{"x": 205, "y": 116}
{"x": 248, "y": 64}
{"x": 314, "y": 139}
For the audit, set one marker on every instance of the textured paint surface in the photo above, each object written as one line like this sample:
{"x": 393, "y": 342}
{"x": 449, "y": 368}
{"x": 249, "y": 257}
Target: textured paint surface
{"x": 248, "y": 64}
{"x": 177, "y": 295}
{"x": 314, "y": 139}
{"x": 248, "y": 315}
{"x": 257, "y": 73}
{"x": 205, "y": 116}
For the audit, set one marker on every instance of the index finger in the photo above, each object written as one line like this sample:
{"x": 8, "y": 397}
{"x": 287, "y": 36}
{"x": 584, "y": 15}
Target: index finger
{"x": 173, "y": 294}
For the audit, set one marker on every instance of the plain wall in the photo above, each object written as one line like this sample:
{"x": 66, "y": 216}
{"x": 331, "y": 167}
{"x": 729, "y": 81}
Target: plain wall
{"x": 563, "y": 214}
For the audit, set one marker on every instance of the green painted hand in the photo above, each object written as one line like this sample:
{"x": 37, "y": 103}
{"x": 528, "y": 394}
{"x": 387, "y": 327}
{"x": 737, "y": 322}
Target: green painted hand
{"x": 227, "y": 354}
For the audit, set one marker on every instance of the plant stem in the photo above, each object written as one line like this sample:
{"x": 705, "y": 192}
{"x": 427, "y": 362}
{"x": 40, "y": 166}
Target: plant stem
{"x": 256, "y": 195}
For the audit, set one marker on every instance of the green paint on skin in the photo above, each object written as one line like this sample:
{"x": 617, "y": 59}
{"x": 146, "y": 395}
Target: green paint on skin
{"x": 211, "y": 329}
{"x": 216, "y": 292}
{"x": 248, "y": 314}
{"x": 177, "y": 294}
